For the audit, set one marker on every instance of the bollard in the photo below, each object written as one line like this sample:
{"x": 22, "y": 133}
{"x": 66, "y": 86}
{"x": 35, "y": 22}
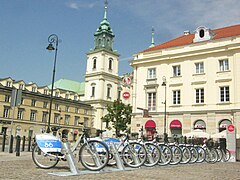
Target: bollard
{"x": 29, "y": 143}
{"x": 18, "y": 142}
{"x": 4, "y": 142}
{"x": 11, "y": 144}
{"x": 23, "y": 143}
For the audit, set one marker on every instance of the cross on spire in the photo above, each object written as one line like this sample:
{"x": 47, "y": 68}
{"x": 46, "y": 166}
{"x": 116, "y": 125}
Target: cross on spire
{"x": 105, "y": 12}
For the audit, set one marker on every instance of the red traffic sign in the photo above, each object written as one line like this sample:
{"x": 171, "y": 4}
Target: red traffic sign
{"x": 230, "y": 128}
{"x": 126, "y": 95}
{"x": 127, "y": 80}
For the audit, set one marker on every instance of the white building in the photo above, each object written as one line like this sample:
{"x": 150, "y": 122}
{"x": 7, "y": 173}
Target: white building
{"x": 201, "y": 72}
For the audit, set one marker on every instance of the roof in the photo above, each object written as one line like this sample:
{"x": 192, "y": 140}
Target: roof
{"x": 70, "y": 85}
{"x": 225, "y": 32}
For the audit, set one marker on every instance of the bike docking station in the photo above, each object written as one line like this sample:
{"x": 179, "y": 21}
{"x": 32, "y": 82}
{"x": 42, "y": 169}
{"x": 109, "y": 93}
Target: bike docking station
{"x": 74, "y": 171}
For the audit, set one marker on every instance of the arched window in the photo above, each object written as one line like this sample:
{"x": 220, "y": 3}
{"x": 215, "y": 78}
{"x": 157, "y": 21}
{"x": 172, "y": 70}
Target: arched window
{"x": 199, "y": 124}
{"x": 110, "y": 64}
{"x": 201, "y": 33}
{"x": 109, "y": 87}
{"x": 223, "y": 124}
{"x": 94, "y": 63}
{"x": 93, "y": 85}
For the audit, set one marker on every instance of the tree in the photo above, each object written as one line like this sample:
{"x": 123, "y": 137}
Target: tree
{"x": 119, "y": 115}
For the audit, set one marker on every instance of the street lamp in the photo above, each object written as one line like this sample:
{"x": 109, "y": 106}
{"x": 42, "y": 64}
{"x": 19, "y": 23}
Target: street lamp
{"x": 52, "y": 39}
{"x": 165, "y": 103}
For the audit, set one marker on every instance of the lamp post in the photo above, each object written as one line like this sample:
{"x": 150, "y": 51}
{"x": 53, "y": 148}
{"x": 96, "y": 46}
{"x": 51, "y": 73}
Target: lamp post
{"x": 165, "y": 103}
{"x": 52, "y": 39}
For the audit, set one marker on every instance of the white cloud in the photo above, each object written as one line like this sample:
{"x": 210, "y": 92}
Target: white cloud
{"x": 126, "y": 58}
{"x": 172, "y": 17}
{"x": 79, "y": 5}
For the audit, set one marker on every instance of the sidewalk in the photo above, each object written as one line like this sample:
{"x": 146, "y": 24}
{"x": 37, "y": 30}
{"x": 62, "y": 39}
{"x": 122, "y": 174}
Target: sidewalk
{"x": 5, "y": 156}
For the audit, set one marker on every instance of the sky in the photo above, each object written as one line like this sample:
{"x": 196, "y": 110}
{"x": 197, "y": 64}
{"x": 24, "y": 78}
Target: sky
{"x": 25, "y": 26}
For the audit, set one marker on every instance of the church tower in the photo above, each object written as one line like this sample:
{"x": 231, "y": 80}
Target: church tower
{"x": 101, "y": 79}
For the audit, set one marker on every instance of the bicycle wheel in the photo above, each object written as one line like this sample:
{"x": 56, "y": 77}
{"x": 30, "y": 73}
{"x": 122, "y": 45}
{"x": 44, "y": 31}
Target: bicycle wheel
{"x": 176, "y": 155}
{"x": 186, "y": 155}
{"x": 220, "y": 155}
{"x": 166, "y": 155}
{"x": 44, "y": 160}
{"x": 211, "y": 155}
{"x": 226, "y": 155}
{"x": 153, "y": 154}
{"x": 195, "y": 154}
{"x": 94, "y": 155}
{"x": 134, "y": 154}
{"x": 201, "y": 154}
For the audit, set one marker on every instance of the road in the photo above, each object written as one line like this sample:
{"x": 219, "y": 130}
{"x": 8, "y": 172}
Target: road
{"x": 22, "y": 167}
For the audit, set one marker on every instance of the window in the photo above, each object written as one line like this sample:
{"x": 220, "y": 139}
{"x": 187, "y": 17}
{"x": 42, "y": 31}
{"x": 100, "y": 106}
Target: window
{"x": 94, "y": 63}
{"x": 20, "y": 114}
{"x": 93, "y": 91}
{"x": 200, "y": 95}
{"x": 108, "y": 92}
{"x": 44, "y": 116}
{"x": 224, "y": 94}
{"x": 33, "y": 102}
{"x": 176, "y": 97}
{"x": 223, "y": 65}
{"x": 45, "y": 92}
{"x": 85, "y": 122}
{"x": 201, "y": 33}
{"x": 34, "y": 89}
{"x": 67, "y": 118}
{"x": 33, "y": 116}
{"x": 199, "y": 68}
{"x": 7, "y": 98}
{"x": 76, "y": 98}
{"x": 8, "y": 84}
{"x": 67, "y": 96}
{"x": 56, "y": 118}
{"x": 6, "y": 112}
{"x": 176, "y": 70}
{"x": 109, "y": 87}
{"x": 21, "y": 86}
{"x": 67, "y": 109}
{"x": 56, "y": 106}
{"x": 119, "y": 94}
{"x": 110, "y": 64}
{"x": 45, "y": 104}
{"x": 151, "y": 99}
{"x": 76, "y": 120}
{"x": 57, "y": 94}
{"x": 76, "y": 110}
{"x": 152, "y": 73}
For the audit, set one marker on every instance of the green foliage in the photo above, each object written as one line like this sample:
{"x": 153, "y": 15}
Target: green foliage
{"x": 119, "y": 115}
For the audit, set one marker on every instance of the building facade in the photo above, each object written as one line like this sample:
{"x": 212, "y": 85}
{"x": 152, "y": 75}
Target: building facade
{"x": 191, "y": 82}
{"x": 31, "y": 114}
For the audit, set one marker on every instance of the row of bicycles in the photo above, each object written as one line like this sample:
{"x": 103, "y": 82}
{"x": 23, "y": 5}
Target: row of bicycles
{"x": 95, "y": 153}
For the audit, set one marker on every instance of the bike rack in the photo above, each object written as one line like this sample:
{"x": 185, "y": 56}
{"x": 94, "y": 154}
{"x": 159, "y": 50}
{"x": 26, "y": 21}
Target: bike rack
{"x": 71, "y": 162}
{"x": 74, "y": 171}
{"x": 120, "y": 166}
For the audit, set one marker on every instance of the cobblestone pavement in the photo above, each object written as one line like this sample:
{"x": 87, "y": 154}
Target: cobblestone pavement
{"x": 22, "y": 167}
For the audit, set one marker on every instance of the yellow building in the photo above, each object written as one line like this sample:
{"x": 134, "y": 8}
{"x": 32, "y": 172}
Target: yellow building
{"x": 31, "y": 115}
{"x": 197, "y": 74}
